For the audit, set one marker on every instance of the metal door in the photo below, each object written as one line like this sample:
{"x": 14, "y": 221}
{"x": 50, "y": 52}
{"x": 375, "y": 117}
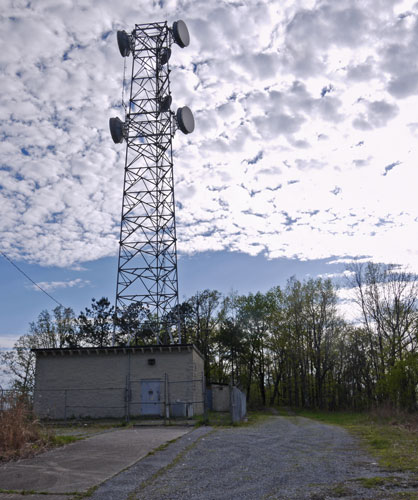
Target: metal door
{"x": 151, "y": 397}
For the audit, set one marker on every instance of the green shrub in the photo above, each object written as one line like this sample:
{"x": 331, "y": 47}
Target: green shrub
{"x": 400, "y": 385}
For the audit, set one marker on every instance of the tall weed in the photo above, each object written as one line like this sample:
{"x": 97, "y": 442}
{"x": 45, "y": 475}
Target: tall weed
{"x": 21, "y": 435}
{"x": 386, "y": 413}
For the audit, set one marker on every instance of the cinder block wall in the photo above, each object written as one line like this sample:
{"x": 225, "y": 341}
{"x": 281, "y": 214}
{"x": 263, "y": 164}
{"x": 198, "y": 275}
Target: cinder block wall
{"x": 94, "y": 382}
{"x": 80, "y": 383}
{"x": 220, "y": 397}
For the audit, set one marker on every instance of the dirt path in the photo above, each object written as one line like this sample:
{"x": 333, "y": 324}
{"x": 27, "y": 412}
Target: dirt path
{"x": 280, "y": 458}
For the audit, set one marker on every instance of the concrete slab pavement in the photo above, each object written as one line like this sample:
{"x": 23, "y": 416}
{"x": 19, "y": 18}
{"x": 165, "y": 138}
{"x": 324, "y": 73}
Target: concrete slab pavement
{"x": 81, "y": 465}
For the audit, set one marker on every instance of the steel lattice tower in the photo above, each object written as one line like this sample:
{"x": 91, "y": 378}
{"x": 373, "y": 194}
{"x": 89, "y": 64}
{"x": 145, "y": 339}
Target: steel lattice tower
{"x": 147, "y": 265}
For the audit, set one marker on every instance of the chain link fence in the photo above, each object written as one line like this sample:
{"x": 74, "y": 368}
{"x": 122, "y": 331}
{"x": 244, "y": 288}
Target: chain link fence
{"x": 10, "y": 397}
{"x": 149, "y": 398}
{"x": 238, "y": 405}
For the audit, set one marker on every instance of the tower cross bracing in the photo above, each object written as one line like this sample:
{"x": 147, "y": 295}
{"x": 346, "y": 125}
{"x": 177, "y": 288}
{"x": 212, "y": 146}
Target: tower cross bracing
{"x": 147, "y": 265}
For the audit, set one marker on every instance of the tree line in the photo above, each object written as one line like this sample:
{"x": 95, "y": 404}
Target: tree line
{"x": 289, "y": 346}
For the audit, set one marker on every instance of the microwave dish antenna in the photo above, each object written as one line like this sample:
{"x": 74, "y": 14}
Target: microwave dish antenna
{"x": 181, "y": 34}
{"x": 124, "y": 43}
{"x": 185, "y": 120}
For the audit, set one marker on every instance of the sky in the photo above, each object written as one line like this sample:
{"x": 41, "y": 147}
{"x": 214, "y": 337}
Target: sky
{"x": 303, "y": 157}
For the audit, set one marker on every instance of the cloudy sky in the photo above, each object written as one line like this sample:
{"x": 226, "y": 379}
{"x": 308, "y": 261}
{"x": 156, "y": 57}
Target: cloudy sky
{"x": 303, "y": 158}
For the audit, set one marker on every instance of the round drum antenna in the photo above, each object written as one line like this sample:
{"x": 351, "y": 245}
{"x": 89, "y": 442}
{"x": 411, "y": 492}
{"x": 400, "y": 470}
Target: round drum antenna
{"x": 124, "y": 43}
{"x": 185, "y": 120}
{"x": 116, "y": 126}
{"x": 164, "y": 56}
{"x": 165, "y": 104}
{"x": 181, "y": 34}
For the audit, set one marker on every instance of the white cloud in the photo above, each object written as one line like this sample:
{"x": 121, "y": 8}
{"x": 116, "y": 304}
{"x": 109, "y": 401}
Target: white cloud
{"x": 7, "y": 341}
{"x": 300, "y": 109}
{"x": 49, "y": 286}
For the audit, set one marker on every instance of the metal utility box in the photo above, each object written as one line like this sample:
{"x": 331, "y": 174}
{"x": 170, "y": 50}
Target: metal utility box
{"x": 115, "y": 382}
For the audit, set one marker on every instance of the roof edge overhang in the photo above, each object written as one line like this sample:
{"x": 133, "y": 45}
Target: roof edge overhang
{"x": 117, "y": 350}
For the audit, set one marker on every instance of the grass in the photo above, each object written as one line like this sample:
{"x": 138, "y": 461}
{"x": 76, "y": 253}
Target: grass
{"x": 45, "y": 493}
{"x": 392, "y": 438}
{"x": 394, "y": 487}
{"x": 85, "y": 424}
{"x": 223, "y": 419}
{"x": 62, "y": 440}
{"x": 372, "y": 482}
{"x": 85, "y": 494}
{"x": 162, "y": 447}
{"x": 340, "y": 490}
{"x": 406, "y": 495}
{"x": 215, "y": 419}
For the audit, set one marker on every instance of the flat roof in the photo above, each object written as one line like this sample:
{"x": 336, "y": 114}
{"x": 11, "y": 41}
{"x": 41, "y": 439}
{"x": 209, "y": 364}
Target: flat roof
{"x": 117, "y": 349}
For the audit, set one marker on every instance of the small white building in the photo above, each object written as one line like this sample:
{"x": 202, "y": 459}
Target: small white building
{"x": 160, "y": 380}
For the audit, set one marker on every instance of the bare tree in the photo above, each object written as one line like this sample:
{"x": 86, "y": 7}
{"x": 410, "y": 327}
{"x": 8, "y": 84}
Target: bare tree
{"x": 203, "y": 320}
{"x": 48, "y": 331}
{"x": 387, "y": 297}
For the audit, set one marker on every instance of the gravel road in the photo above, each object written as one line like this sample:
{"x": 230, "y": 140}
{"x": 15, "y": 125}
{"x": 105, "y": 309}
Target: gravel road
{"x": 279, "y": 458}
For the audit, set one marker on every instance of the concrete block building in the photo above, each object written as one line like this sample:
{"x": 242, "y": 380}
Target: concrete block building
{"x": 161, "y": 380}
{"x": 220, "y": 397}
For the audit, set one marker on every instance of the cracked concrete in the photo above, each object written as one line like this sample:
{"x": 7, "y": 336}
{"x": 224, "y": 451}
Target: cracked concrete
{"x": 79, "y": 466}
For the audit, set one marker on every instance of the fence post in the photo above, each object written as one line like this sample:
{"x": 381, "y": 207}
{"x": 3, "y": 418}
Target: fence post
{"x": 128, "y": 389}
{"x": 231, "y": 401}
{"x": 65, "y": 405}
{"x": 205, "y": 409}
{"x": 166, "y": 404}
{"x": 127, "y": 398}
